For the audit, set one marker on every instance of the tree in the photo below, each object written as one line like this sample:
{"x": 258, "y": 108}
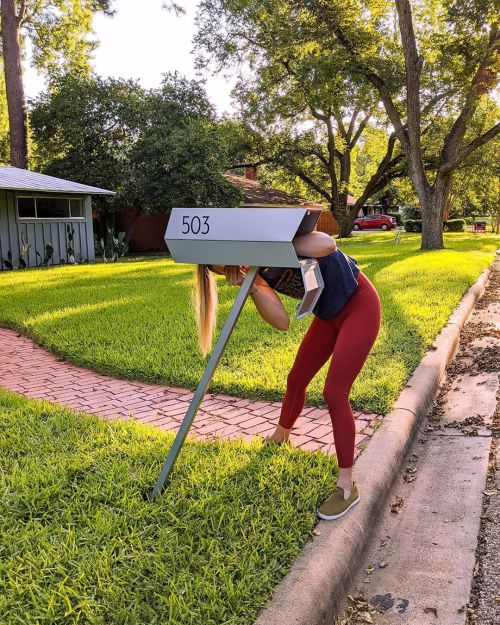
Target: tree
{"x": 312, "y": 118}
{"x": 181, "y": 154}
{"x": 156, "y": 148}
{"x": 58, "y": 32}
{"x": 4, "y": 124}
{"x": 448, "y": 56}
{"x": 84, "y": 129}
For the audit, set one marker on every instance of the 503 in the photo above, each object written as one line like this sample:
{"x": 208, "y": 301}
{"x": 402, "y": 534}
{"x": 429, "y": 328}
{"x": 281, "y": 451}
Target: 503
{"x": 195, "y": 225}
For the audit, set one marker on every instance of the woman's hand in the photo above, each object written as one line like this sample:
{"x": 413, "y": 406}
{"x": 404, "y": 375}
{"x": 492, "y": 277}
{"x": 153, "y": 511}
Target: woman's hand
{"x": 234, "y": 274}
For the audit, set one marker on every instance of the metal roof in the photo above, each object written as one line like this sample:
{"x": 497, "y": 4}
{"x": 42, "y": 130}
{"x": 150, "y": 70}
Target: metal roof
{"x": 23, "y": 180}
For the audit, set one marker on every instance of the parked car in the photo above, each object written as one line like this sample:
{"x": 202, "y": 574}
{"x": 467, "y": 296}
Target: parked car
{"x": 371, "y": 222}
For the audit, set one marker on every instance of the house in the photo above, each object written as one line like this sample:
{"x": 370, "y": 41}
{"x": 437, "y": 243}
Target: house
{"x": 148, "y": 230}
{"x": 38, "y": 210}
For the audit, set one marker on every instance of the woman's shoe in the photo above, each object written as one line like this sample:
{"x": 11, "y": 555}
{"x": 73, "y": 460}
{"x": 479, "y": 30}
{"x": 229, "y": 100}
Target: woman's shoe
{"x": 336, "y": 506}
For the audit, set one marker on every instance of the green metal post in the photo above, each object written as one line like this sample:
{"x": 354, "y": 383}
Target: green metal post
{"x": 206, "y": 379}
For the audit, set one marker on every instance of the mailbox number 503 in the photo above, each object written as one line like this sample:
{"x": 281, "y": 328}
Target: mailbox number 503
{"x": 195, "y": 225}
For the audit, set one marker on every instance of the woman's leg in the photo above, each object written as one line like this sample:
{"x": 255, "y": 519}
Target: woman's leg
{"x": 314, "y": 350}
{"x": 359, "y": 326}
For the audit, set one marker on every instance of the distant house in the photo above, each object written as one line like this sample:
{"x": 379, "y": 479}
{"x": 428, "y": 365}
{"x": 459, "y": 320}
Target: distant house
{"x": 38, "y": 209}
{"x": 257, "y": 195}
{"x": 149, "y": 230}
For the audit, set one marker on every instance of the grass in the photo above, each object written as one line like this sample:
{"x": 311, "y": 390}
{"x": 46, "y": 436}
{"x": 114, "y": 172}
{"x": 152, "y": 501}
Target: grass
{"x": 134, "y": 319}
{"x": 82, "y": 543}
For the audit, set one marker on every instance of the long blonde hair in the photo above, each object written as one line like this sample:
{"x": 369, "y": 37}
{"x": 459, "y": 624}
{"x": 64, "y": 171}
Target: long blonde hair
{"x": 205, "y": 301}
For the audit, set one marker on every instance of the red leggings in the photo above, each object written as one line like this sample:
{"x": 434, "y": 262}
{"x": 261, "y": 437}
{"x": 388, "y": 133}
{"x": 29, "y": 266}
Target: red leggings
{"x": 348, "y": 337}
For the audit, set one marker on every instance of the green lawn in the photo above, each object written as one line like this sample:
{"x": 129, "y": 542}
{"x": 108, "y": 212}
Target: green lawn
{"x": 134, "y": 319}
{"x": 82, "y": 543}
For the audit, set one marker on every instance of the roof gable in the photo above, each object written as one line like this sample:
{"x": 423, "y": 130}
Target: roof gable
{"x": 16, "y": 179}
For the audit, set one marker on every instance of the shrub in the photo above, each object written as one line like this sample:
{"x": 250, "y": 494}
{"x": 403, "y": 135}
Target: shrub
{"x": 455, "y": 225}
{"x": 413, "y": 225}
{"x": 397, "y": 217}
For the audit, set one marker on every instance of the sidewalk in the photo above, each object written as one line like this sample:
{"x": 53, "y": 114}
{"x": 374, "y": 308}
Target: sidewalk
{"x": 28, "y": 369}
{"x": 436, "y": 550}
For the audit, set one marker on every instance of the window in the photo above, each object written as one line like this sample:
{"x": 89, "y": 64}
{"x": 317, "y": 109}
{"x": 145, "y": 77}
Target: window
{"x": 26, "y": 206}
{"x": 76, "y": 208}
{"x": 44, "y": 207}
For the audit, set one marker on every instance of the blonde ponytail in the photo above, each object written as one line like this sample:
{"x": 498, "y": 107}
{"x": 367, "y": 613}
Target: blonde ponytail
{"x": 205, "y": 300}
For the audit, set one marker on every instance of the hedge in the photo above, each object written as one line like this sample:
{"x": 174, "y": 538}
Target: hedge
{"x": 397, "y": 217}
{"x": 453, "y": 225}
{"x": 413, "y": 225}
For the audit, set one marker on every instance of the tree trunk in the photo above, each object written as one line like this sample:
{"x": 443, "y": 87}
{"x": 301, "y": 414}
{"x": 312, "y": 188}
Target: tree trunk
{"x": 497, "y": 227}
{"x": 11, "y": 51}
{"x": 433, "y": 205}
{"x": 343, "y": 219}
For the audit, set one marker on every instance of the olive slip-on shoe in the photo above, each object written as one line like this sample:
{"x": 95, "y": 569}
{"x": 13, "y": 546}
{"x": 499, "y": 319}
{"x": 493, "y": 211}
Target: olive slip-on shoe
{"x": 336, "y": 506}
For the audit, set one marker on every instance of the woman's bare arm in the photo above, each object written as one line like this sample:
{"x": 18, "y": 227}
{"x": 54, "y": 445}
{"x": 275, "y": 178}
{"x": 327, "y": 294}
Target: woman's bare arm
{"x": 314, "y": 244}
{"x": 267, "y": 302}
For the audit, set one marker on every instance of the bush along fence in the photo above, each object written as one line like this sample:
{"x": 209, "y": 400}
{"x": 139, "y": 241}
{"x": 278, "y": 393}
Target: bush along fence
{"x": 451, "y": 225}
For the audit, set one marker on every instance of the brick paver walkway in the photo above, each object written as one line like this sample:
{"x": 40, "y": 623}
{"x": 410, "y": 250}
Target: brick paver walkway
{"x": 29, "y": 370}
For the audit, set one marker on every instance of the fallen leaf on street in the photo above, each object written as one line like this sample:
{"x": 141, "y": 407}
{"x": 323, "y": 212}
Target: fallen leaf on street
{"x": 431, "y": 611}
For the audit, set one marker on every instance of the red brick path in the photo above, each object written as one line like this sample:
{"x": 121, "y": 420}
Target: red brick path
{"x": 29, "y": 370}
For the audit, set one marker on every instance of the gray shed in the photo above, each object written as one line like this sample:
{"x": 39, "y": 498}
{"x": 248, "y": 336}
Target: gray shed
{"x": 38, "y": 209}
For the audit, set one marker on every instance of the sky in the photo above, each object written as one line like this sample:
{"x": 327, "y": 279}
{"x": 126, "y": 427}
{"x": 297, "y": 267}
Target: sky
{"x": 143, "y": 43}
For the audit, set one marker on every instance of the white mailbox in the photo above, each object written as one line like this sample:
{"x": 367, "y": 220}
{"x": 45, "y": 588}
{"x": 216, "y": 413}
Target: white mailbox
{"x": 238, "y": 236}
{"x": 257, "y": 237}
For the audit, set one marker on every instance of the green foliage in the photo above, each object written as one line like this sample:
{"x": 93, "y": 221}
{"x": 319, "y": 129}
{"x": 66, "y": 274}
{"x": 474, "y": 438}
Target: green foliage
{"x": 23, "y": 252}
{"x": 397, "y": 217}
{"x": 113, "y": 248}
{"x": 59, "y": 32}
{"x": 180, "y": 156}
{"x": 158, "y": 148}
{"x": 84, "y": 130}
{"x": 413, "y": 225}
{"x": 49, "y": 251}
{"x": 8, "y": 262}
{"x": 454, "y": 225}
{"x": 134, "y": 318}
{"x": 318, "y": 126}
{"x": 81, "y": 541}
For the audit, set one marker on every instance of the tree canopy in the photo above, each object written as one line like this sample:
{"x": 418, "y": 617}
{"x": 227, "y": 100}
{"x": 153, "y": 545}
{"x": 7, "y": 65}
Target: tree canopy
{"x": 157, "y": 148}
{"x": 414, "y": 63}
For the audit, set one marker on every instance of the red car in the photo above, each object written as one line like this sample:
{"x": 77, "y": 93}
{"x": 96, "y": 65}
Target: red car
{"x": 371, "y": 222}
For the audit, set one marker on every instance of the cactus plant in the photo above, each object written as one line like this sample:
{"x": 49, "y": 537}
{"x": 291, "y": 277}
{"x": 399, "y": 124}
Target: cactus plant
{"x": 114, "y": 247}
{"x": 8, "y": 264}
{"x": 49, "y": 251}
{"x": 70, "y": 248}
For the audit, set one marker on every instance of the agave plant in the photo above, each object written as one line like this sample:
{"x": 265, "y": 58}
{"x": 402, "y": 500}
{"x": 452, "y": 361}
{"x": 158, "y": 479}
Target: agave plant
{"x": 23, "y": 252}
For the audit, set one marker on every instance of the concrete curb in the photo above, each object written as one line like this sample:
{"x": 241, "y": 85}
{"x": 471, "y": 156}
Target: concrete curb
{"x": 314, "y": 589}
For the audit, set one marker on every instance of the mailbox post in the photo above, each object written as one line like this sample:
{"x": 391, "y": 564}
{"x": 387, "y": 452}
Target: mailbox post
{"x": 257, "y": 237}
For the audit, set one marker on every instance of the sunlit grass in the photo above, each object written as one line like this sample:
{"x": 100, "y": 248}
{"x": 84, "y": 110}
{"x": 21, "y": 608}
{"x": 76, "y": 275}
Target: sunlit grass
{"x": 82, "y": 543}
{"x": 134, "y": 319}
